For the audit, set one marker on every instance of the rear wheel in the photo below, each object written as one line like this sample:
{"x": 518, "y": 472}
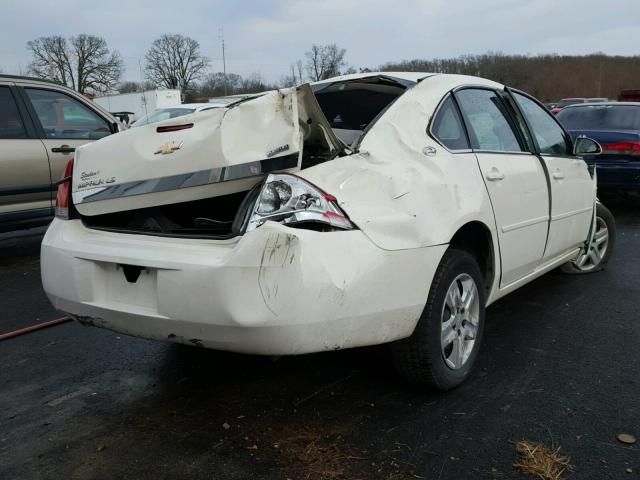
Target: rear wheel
{"x": 595, "y": 257}
{"x": 443, "y": 348}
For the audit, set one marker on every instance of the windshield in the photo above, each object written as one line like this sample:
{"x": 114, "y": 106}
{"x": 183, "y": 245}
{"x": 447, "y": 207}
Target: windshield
{"x": 601, "y": 117}
{"x": 163, "y": 114}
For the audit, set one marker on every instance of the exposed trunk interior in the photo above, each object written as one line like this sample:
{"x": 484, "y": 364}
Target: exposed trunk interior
{"x": 208, "y": 218}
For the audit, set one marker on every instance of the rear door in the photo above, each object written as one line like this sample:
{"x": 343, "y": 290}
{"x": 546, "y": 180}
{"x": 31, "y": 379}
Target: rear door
{"x": 572, "y": 188}
{"x": 24, "y": 170}
{"x": 514, "y": 177}
{"x": 64, "y": 123}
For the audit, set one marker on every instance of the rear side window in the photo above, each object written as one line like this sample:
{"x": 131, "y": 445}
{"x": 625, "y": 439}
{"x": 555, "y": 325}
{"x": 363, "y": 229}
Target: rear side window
{"x": 11, "y": 126}
{"x": 62, "y": 116}
{"x": 601, "y": 117}
{"x": 447, "y": 127}
{"x": 549, "y": 135}
{"x": 490, "y": 127}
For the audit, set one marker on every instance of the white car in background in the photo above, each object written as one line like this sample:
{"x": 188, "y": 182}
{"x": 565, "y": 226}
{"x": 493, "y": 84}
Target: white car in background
{"x": 174, "y": 111}
{"x": 183, "y": 109}
{"x": 254, "y": 228}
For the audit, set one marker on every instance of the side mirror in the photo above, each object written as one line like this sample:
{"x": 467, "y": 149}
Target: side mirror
{"x": 586, "y": 146}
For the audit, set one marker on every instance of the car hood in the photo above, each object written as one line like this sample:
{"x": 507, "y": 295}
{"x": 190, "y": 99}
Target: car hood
{"x": 208, "y": 153}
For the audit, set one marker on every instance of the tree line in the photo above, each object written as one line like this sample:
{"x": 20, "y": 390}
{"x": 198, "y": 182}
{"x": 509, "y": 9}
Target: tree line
{"x": 547, "y": 77}
{"x": 85, "y": 63}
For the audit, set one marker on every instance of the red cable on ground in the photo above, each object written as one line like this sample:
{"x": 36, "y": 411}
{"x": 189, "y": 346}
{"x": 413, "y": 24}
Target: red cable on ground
{"x": 35, "y": 327}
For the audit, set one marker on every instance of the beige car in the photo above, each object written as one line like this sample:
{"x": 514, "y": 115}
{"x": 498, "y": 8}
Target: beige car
{"x": 41, "y": 124}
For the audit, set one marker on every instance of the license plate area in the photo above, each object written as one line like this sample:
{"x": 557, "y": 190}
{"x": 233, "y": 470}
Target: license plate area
{"x": 132, "y": 285}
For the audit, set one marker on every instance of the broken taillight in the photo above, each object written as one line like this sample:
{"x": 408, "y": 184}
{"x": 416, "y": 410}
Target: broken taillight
{"x": 63, "y": 198}
{"x": 290, "y": 200}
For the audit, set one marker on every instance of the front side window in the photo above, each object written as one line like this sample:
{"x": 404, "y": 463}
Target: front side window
{"x": 65, "y": 117}
{"x": 490, "y": 127}
{"x": 11, "y": 126}
{"x": 549, "y": 135}
{"x": 447, "y": 127}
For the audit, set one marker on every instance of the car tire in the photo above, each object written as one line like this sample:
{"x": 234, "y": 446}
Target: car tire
{"x": 602, "y": 244}
{"x": 426, "y": 359}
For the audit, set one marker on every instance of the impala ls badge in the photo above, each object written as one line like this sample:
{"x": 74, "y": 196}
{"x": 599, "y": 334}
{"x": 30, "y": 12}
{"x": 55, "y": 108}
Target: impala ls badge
{"x": 168, "y": 148}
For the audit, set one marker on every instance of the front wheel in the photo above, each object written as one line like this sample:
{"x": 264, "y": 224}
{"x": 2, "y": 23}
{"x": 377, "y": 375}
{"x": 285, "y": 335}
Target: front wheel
{"x": 597, "y": 254}
{"x": 443, "y": 348}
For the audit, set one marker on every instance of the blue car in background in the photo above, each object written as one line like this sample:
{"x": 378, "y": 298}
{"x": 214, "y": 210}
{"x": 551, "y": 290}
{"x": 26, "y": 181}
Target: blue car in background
{"x": 616, "y": 126}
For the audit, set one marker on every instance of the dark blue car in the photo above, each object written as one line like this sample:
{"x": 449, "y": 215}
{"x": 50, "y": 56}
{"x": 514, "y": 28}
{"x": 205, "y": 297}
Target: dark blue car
{"x": 616, "y": 126}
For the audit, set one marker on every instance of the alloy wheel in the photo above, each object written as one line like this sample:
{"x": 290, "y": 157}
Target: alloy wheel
{"x": 460, "y": 318}
{"x": 592, "y": 256}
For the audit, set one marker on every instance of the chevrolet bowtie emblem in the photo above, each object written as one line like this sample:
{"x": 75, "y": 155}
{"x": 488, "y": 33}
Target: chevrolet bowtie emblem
{"x": 168, "y": 147}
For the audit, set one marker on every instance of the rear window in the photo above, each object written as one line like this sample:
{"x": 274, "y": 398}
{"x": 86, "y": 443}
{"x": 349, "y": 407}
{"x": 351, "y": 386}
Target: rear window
{"x": 354, "y": 105}
{"x": 601, "y": 117}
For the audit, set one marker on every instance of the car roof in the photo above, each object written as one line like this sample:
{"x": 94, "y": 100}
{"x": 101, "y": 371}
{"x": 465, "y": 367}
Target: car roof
{"x": 195, "y": 106}
{"x": 30, "y": 79}
{"x": 413, "y": 77}
{"x": 603, "y": 104}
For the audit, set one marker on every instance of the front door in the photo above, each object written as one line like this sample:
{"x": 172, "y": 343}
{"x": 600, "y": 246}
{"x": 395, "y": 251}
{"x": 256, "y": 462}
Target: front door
{"x": 572, "y": 188}
{"x": 515, "y": 180}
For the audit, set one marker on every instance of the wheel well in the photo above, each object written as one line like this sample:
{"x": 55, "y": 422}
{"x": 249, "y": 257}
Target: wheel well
{"x": 475, "y": 238}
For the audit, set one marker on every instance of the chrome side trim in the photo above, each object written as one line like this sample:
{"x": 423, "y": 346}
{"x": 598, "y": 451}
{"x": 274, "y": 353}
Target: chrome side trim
{"x": 564, "y": 215}
{"x": 186, "y": 180}
{"x": 526, "y": 223}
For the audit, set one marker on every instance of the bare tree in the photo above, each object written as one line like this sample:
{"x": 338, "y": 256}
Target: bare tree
{"x": 324, "y": 61}
{"x": 294, "y": 77}
{"x": 175, "y": 61}
{"x": 254, "y": 83}
{"x": 83, "y": 62}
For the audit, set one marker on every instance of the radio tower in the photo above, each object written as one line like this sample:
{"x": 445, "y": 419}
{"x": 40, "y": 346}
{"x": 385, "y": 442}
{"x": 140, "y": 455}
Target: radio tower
{"x": 224, "y": 62}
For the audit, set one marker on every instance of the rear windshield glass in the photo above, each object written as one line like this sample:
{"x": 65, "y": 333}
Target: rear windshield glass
{"x": 601, "y": 117}
{"x": 353, "y": 105}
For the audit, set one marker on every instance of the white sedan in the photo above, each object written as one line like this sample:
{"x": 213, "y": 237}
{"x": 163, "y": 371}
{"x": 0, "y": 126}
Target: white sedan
{"x": 365, "y": 209}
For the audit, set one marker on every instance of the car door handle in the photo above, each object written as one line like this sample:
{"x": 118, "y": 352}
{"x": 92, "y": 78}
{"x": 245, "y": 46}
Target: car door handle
{"x": 63, "y": 149}
{"x": 494, "y": 174}
{"x": 558, "y": 175}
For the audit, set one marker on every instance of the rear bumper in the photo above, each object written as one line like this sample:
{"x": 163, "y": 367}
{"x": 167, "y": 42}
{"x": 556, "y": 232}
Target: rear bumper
{"x": 274, "y": 291}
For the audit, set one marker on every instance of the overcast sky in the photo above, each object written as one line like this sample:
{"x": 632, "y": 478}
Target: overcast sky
{"x": 267, "y": 36}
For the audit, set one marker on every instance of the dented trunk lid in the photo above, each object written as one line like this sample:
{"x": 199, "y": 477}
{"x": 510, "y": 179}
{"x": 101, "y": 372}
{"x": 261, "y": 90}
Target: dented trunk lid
{"x": 206, "y": 154}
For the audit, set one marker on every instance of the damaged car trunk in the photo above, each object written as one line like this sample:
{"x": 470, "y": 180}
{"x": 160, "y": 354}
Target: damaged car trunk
{"x": 197, "y": 176}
